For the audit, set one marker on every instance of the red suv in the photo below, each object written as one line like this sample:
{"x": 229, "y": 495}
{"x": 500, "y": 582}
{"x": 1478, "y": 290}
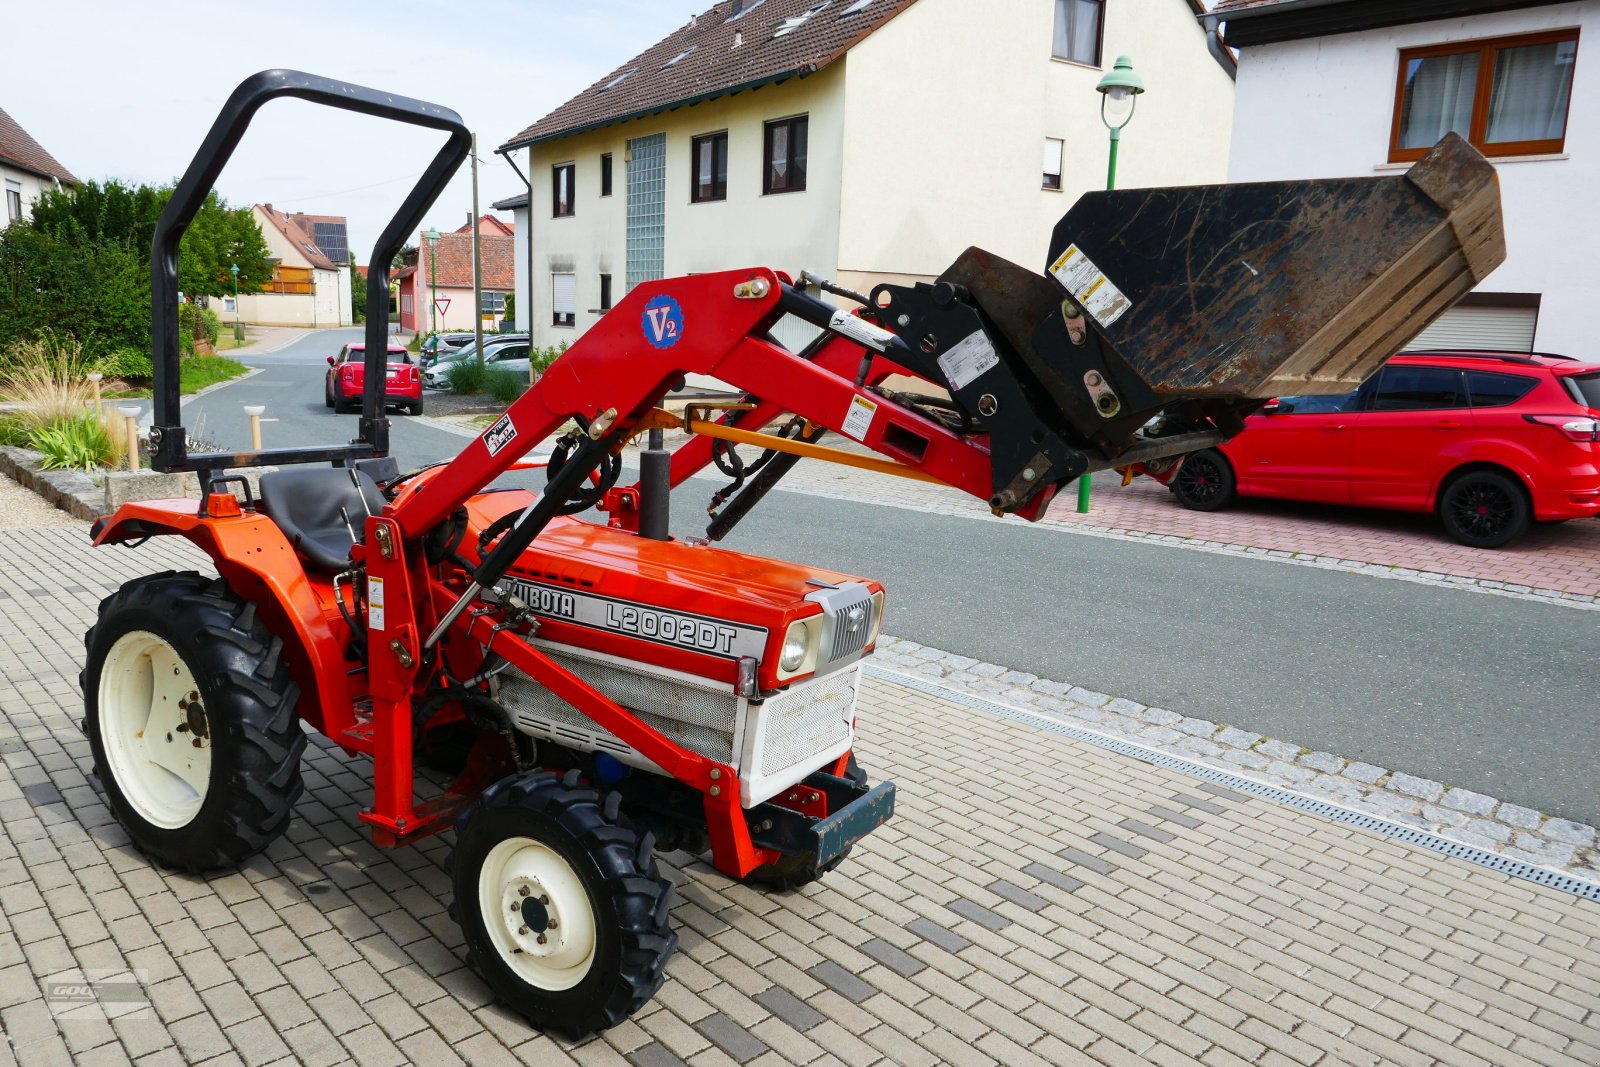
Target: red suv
{"x": 1490, "y": 441}
{"x": 347, "y": 375}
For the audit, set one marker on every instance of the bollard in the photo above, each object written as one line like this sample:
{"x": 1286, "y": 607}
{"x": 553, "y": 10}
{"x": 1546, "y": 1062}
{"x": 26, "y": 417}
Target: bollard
{"x": 131, "y": 413}
{"x": 94, "y": 380}
{"x": 255, "y": 411}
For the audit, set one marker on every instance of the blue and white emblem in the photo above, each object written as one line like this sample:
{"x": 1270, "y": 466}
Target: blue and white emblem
{"x": 663, "y": 322}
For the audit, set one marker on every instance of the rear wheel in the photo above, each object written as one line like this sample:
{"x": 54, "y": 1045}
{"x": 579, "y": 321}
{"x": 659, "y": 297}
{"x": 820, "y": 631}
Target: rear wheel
{"x": 415, "y": 407}
{"x": 327, "y": 393}
{"x": 190, "y": 713}
{"x": 1205, "y": 481}
{"x": 560, "y": 902}
{"x": 1484, "y": 509}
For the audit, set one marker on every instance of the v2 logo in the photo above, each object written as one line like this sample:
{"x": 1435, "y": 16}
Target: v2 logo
{"x": 663, "y": 322}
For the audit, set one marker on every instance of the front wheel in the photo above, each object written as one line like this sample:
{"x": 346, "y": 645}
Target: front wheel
{"x": 190, "y": 713}
{"x": 1205, "y": 481}
{"x": 1484, "y": 509}
{"x": 560, "y": 902}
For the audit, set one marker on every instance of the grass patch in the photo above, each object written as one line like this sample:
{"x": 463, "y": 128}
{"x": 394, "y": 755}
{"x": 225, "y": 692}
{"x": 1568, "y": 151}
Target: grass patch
{"x": 197, "y": 372}
{"x": 504, "y": 386}
{"x": 466, "y": 376}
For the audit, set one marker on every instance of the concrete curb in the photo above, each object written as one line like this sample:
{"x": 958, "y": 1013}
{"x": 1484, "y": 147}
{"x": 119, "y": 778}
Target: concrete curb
{"x": 72, "y": 491}
{"x": 1460, "y": 815}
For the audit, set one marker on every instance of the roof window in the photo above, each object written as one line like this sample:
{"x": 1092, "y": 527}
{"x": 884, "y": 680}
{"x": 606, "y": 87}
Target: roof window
{"x": 741, "y": 8}
{"x": 789, "y": 25}
{"x": 856, "y": 8}
{"x": 680, "y": 57}
{"x": 618, "y": 80}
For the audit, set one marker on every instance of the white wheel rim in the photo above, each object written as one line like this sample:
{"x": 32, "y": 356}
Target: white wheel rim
{"x": 537, "y": 914}
{"x": 154, "y": 730}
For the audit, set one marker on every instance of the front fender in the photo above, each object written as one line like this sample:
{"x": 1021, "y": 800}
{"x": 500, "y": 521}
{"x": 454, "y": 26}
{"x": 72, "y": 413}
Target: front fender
{"x": 258, "y": 563}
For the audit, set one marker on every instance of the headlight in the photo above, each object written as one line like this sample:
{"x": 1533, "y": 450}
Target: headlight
{"x": 796, "y": 643}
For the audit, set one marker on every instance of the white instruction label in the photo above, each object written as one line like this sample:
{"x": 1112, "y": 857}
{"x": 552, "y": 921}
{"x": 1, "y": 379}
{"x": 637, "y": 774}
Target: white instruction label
{"x": 969, "y": 360}
{"x": 375, "y": 604}
{"x": 858, "y": 420}
{"x": 1090, "y": 287}
{"x": 860, "y": 331}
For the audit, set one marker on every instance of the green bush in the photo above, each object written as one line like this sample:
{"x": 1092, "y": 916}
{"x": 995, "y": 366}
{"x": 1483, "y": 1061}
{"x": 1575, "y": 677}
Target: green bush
{"x": 128, "y": 364}
{"x": 504, "y": 385}
{"x": 539, "y": 359}
{"x": 466, "y": 376}
{"x": 78, "y": 443}
{"x": 13, "y": 429}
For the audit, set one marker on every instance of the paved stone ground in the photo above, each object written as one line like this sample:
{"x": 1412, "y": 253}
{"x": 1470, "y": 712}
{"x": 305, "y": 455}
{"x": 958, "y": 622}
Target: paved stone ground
{"x": 1034, "y": 901}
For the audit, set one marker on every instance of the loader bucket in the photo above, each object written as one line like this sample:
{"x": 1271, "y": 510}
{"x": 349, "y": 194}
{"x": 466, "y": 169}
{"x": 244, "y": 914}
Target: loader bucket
{"x": 1165, "y": 316}
{"x": 1280, "y": 287}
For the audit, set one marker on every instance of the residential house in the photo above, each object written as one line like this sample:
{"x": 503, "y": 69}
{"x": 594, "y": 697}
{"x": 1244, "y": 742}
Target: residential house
{"x": 26, "y": 171}
{"x": 308, "y": 287}
{"x": 442, "y": 298}
{"x": 1362, "y": 87}
{"x": 867, "y": 140}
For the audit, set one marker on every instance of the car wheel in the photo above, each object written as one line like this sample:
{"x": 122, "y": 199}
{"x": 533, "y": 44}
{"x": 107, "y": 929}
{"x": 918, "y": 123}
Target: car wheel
{"x": 1484, "y": 509}
{"x": 327, "y": 393}
{"x": 415, "y": 407}
{"x": 1205, "y": 481}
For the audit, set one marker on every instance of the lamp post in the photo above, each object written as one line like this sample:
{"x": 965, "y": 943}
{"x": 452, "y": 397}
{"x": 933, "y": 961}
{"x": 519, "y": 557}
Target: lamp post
{"x": 238, "y": 328}
{"x": 433, "y": 276}
{"x": 1119, "y": 93}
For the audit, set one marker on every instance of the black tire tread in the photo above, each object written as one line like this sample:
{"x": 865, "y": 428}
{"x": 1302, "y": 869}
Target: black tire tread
{"x": 250, "y": 701}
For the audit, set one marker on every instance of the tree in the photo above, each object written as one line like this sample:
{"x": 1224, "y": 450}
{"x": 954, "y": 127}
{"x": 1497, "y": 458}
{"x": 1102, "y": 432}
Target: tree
{"x": 358, "y": 292}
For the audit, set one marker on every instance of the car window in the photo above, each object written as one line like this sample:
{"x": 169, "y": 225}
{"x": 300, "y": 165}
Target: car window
{"x": 1587, "y": 387}
{"x": 401, "y": 356}
{"x": 1490, "y": 390}
{"x": 506, "y": 352}
{"x": 1316, "y": 405}
{"x": 344, "y": 354}
{"x": 1418, "y": 389}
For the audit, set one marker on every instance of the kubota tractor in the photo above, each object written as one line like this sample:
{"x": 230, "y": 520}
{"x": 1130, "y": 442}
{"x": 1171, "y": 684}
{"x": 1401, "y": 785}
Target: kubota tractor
{"x": 611, "y": 690}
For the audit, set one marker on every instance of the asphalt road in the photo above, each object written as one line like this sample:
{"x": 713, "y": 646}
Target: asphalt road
{"x": 1488, "y": 693}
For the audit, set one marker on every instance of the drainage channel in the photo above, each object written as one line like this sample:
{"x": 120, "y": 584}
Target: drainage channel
{"x": 1410, "y": 835}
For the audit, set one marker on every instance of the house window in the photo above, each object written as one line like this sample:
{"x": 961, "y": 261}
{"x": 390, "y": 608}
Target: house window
{"x": 709, "y": 178}
{"x": 492, "y": 303}
{"x": 605, "y": 174}
{"x": 1508, "y": 95}
{"x": 786, "y": 156}
{"x": 564, "y": 299}
{"x": 13, "y": 201}
{"x": 405, "y": 303}
{"x": 561, "y": 185}
{"x": 1078, "y": 26}
{"x": 1052, "y": 162}
{"x": 605, "y": 292}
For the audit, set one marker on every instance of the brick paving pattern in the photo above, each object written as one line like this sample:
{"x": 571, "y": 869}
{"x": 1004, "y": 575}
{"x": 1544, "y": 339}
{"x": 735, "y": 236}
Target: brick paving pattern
{"x": 1034, "y": 901}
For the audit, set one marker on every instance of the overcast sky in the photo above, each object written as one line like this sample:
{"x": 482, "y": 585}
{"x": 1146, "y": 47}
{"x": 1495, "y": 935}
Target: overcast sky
{"x": 127, "y": 90}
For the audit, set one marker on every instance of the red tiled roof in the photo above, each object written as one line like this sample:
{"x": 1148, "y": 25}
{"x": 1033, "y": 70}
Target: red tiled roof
{"x": 496, "y": 253}
{"x": 299, "y": 238}
{"x": 23, "y": 152}
{"x": 717, "y": 53}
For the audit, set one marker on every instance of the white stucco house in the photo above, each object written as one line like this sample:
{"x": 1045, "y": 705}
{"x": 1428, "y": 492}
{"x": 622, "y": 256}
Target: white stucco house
{"x": 26, "y": 171}
{"x": 865, "y": 140}
{"x": 307, "y": 289}
{"x": 1338, "y": 88}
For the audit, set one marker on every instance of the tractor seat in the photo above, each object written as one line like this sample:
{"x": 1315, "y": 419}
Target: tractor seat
{"x": 306, "y": 505}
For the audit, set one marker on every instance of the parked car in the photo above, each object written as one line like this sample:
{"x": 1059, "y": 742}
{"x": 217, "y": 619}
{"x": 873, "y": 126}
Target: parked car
{"x": 436, "y": 374}
{"x": 1489, "y": 441}
{"x": 449, "y": 341}
{"x": 346, "y": 378}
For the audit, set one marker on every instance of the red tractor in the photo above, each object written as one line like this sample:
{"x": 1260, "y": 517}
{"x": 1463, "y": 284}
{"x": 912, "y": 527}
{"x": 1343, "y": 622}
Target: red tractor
{"x": 606, "y": 690}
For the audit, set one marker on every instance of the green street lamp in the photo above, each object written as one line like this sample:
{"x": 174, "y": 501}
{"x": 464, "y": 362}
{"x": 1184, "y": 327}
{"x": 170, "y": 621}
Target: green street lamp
{"x": 238, "y": 327}
{"x": 1119, "y": 94}
{"x": 433, "y": 275}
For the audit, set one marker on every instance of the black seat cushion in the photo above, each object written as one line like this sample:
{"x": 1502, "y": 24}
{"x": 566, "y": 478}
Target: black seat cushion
{"x": 322, "y": 511}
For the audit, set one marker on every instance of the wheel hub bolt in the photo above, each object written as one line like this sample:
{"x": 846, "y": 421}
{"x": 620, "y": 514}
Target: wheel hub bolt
{"x": 522, "y": 931}
{"x": 551, "y": 925}
{"x": 522, "y": 891}
{"x": 542, "y": 939}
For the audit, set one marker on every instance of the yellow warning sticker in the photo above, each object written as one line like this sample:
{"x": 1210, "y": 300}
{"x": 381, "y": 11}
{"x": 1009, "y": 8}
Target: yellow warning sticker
{"x": 1090, "y": 287}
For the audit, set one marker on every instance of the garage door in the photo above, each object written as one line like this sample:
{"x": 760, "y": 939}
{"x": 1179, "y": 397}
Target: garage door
{"x": 1509, "y": 329}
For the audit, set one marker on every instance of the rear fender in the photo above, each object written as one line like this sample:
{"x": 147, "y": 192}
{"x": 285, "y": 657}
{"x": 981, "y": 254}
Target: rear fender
{"x": 258, "y": 563}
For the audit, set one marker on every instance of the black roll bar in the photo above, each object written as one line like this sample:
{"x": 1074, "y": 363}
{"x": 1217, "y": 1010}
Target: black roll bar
{"x": 168, "y": 439}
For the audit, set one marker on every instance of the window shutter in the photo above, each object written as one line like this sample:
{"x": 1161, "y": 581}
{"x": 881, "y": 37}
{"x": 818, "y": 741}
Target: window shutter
{"x": 1508, "y": 329}
{"x": 566, "y": 294}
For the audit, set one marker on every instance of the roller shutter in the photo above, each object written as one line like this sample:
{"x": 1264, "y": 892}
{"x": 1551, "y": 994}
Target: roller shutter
{"x": 1507, "y": 329}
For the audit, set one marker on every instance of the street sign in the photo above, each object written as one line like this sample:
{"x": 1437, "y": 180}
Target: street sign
{"x": 443, "y": 304}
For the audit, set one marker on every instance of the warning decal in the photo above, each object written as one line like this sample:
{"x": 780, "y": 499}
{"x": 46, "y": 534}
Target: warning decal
{"x": 1090, "y": 287}
{"x": 968, "y": 360}
{"x": 858, "y": 420}
{"x": 375, "y": 604}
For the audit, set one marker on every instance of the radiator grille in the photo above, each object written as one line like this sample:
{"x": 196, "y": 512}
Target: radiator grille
{"x": 808, "y": 719}
{"x": 851, "y": 626}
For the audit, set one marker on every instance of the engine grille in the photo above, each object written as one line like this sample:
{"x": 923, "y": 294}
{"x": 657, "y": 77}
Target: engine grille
{"x": 806, "y": 720}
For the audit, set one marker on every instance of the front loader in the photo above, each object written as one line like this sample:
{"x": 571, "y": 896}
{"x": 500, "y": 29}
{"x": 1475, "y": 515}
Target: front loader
{"x": 602, "y": 690}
